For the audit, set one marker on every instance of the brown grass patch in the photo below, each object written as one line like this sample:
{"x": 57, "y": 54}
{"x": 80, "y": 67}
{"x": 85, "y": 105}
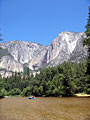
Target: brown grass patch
{"x": 22, "y": 108}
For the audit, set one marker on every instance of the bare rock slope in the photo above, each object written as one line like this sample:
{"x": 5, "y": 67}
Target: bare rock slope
{"x": 67, "y": 46}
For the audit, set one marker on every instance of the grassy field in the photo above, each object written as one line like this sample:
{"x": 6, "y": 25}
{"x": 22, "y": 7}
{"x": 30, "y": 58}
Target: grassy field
{"x": 22, "y": 108}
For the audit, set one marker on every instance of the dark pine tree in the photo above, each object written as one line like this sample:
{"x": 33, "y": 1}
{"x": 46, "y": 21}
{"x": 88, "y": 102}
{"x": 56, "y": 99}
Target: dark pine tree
{"x": 87, "y": 43}
{"x": 0, "y": 39}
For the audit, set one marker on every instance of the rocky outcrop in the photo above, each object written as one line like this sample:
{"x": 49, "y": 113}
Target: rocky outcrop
{"x": 22, "y": 53}
{"x": 10, "y": 64}
{"x": 67, "y": 46}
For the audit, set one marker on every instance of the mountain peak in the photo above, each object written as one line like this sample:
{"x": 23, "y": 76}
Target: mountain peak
{"x": 67, "y": 46}
{"x": 69, "y": 32}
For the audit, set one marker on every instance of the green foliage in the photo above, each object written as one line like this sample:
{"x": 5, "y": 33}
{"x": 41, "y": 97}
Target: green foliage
{"x": 27, "y": 91}
{"x": 1, "y": 87}
{"x": 3, "y": 69}
{"x": 4, "y": 92}
{"x": 25, "y": 67}
{"x": 0, "y": 37}
{"x": 14, "y": 91}
{"x": 4, "y": 52}
{"x": 63, "y": 80}
{"x": 1, "y": 83}
{"x": 87, "y": 43}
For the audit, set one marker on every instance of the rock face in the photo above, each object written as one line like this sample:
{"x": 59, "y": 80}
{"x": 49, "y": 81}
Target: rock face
{"x": 22, "y": 53}
{"x": 67, "y": 46}
{"x": 10, "y": 64}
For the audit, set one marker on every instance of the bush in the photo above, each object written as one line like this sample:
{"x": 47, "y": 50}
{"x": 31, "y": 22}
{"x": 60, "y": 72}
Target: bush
{"x": 15, "y": 91}
{"x": 4, "y": 92}
{"x": 26, "y": 91}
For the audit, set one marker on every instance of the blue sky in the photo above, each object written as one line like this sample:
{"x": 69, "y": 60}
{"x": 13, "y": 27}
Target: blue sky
{"x": 41, "y": 21}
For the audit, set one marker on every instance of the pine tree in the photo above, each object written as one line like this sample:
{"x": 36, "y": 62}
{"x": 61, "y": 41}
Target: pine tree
{"x": 0, "y": 37}
{"x": 87, "y": 43}
{"x": 1, "y": 95}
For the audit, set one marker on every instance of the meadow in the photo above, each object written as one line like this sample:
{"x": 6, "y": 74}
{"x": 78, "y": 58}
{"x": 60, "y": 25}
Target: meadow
{"x": 45, "y": 108}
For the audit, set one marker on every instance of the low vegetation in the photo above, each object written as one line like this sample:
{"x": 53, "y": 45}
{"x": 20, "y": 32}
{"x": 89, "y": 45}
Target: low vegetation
{"x": 4, "y": 52}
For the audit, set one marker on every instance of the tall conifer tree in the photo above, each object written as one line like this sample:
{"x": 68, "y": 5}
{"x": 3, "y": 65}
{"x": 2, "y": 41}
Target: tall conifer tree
{"x": 87, "y": 43}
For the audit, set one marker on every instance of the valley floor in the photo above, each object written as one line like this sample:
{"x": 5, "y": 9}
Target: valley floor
{"x": 47, "y": 108}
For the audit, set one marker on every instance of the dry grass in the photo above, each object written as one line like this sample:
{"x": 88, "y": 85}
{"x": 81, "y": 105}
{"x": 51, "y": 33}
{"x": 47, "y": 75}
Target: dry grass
{"x": 82, "y": 95}
{"x": 22, "y": 108}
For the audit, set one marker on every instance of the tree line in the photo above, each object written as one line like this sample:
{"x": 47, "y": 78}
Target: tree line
{"x": 64, "y": 80}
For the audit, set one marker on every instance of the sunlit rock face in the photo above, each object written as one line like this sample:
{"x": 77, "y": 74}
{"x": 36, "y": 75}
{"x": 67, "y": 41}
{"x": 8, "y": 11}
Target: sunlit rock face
{"x": 9, "y": 63}
{"x": 67, "y": 46}
{"x": 22, "y": 53}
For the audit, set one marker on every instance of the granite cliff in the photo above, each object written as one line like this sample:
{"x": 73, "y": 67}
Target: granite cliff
{"x": 67, "y": 46}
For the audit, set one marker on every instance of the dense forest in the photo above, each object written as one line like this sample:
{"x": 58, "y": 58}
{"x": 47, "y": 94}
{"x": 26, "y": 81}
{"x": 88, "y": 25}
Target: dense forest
{"x": 64, "y": 80}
